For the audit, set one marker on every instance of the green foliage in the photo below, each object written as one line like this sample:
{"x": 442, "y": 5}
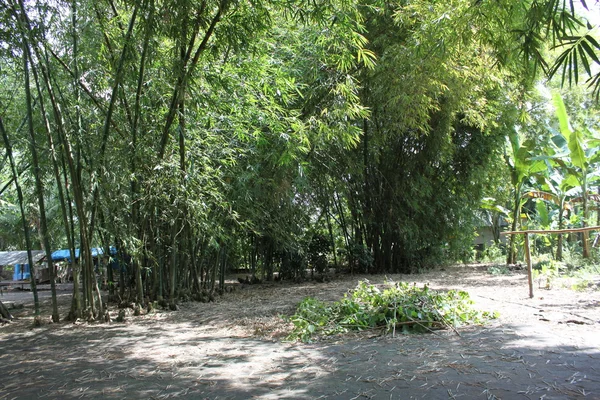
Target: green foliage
{"x": 394, "y": 306}
{"x": 498, "y": 270}
{"x": 361, "y": 258}
{"x": 576, "y": 272}
{"x": 198, "y": 135}
{"x": 585, "y": 276}
{"x": 493, "y": 253}
{"x": 583, "y": 285}
{"x": 434, "y": 131}
{"x": 318, "y": 249}
{"x": 574, "y": 262}
{"x": 545, "y": 272}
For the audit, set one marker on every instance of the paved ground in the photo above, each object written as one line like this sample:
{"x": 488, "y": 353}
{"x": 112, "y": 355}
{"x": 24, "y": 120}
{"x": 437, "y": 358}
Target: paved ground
{"x": 542, "y": 348}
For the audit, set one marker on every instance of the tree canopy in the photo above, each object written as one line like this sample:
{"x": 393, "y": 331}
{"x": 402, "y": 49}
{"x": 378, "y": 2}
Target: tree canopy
{"x": 200, "y": 136}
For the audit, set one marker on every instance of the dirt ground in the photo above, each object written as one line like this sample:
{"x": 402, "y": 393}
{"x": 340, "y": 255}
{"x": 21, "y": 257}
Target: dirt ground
{"x": 547, "y": 347}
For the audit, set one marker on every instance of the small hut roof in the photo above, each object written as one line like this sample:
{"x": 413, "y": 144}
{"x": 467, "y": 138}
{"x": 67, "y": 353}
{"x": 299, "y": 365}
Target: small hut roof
{"x": 19, "y": 257}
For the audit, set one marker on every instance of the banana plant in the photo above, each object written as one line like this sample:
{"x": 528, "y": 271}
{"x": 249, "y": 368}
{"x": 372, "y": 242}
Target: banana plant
{"x": 523, "y": 165}
{"x": 583, "y": 148}
{"x": 558, "y": 190}
{"x": 492, "y": 213}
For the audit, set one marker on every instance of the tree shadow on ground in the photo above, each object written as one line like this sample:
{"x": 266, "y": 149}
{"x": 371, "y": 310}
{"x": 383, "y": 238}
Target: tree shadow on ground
{"x": 198, "y": 353}
{"x": 188, "y": 360}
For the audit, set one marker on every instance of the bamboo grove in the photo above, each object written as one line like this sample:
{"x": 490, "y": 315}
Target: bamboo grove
{"x": 200, "y": 136}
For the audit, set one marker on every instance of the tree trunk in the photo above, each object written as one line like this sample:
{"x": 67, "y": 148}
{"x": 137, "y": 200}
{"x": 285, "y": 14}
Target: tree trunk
{"x": 213, "y": 272}
{"x": 37, "y": 177}
{"x": 338, "y": 205}
{"x": 13, "y": 167}
{"x": 160, "y": 273}
{"x": 267, "y": 259}
{"x": 331, "y": 238}
{"x": 194, "y": 265}
{"x": 598, "y": 208}
{"x": 223, "y": 267}
{"x": 559, "y": 239}
{"x": 253, "y": 253}
{"x": 77, "y": 188}
{"x": 38, "y": 181}
{"x": 585, "y": 235}
{"x": 173, "y": 266}
{"x": 76, "y": 305}
{"x": 496, "y": 227}
{"x": 188, "y": 65}
{"x": 511, "y": 257}
{"x": 61, "y": 194}
{"x": 134, "y": 172}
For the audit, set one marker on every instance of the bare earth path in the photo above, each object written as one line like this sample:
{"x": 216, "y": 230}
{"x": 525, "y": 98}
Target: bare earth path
{"x": 547, "y": 347}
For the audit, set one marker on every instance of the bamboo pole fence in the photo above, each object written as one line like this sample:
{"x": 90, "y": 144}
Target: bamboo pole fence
{"x": 551, "y": 232}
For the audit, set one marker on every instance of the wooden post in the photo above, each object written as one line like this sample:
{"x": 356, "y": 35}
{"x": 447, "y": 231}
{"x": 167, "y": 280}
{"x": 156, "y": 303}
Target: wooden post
{"x": 529, "y": 270}
{"x": 527, "y": 252}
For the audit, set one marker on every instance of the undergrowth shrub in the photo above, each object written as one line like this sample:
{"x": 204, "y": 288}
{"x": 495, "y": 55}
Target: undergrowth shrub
{"x": 498, "y": 270}
{"x": 493, "y": 254}
{"x": 396, "y": 306}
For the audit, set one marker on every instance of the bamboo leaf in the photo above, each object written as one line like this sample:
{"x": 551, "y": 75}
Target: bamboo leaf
{"x": 590, "y": 52}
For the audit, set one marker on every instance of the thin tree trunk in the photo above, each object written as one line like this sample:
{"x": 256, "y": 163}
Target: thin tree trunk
{"x": 9, "y": 152}
{"x": 92, "y": 282}
{"x": 46, "y": 75}
{"x": 559, "y": 239}
{"x": 187, "y": 69}
{"x": 121, "y": 264}
{"x": 173, "y": 266}
{"x": 194, "y": 266}
{"x": 76, "y": 306}
{"x": 38, "y": 179}
{"x": 162, "y": 255}
{"x": 156, "y": 247}
{"x": 331, "y": 237}
{"x": 338, "y": 205}
{"x": 213, "y": 272}
{"x": 585, "y": 235}
{"x": 74, "y": 171}
{"x": 598, "y": 208}
{"x": 100, "y": 305}
{"x": 253, "y": 253}
{"x": 134, "y": 177}
{"x": 109, "y": 269}
{"x": 511, "y": 254}
{"x": 118, "y": 77}
{"x": 222, "y": 271}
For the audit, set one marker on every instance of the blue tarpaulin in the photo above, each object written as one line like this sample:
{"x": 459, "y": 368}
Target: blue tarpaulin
{"x": 60, "y": 255}
{"x": 21, "y": 272}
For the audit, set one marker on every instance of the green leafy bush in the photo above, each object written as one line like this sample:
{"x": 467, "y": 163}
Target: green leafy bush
{"x": 493, "y": 253}
{"x": 395, "y": 306}
{"x": 499, "y": 270}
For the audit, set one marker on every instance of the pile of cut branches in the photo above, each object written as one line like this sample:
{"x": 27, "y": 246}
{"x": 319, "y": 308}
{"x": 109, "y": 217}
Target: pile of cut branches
{"x": 391, "y": 307}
